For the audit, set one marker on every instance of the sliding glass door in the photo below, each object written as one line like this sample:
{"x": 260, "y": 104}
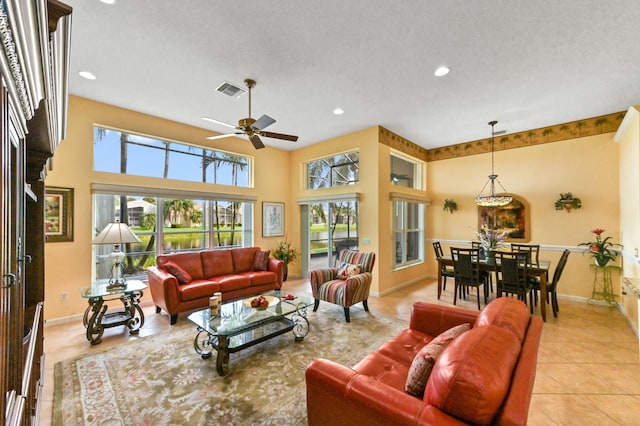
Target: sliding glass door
{"x": 333, "y": 226}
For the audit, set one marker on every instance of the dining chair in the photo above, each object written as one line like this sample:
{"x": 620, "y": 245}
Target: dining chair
{"x": 486, "y": 275}
{"x": 533, "y": 251}
{"x": 512, "y": 277}
{"x": 466, "y": 271}
{"x": 445, "y": 271}
{"x": 552, "y": 287}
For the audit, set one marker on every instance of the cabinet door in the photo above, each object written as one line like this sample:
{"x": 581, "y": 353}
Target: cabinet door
{"x": 11, "y": 238}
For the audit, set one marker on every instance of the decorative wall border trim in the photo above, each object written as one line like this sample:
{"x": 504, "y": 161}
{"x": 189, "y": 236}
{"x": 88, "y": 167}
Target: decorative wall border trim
{"x": 387, "y": 137}
{"x": 574, "y": 129}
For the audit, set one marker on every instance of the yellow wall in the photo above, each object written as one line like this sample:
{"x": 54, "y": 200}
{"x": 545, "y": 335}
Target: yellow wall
{"x": 366, "y": 143}
{"x": 587, "y": 167}
{"x": 68, "y": 265}
{"x": 628, "y": 136}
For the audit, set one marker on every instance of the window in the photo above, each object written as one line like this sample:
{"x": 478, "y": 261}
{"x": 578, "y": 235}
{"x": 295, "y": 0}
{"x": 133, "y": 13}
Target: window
{"x": 117, "y": 151}
{"x": 338, "y": 170}
{"x": 406, "y": 171}
{"x": 409, "y": 233}
{"x": 186, "y": 224}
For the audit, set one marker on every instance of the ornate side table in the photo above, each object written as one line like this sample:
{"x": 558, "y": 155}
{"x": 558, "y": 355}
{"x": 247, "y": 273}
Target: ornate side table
{"x": 603, "y": 284}
{"x": 96, "y": 318}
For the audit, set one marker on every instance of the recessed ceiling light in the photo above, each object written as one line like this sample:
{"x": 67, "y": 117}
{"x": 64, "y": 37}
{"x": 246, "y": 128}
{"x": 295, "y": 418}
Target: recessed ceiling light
{"x": 441, "y": 71}
{"x": 338, "y": 111}
{"x": 108, "y": 1}
{"x": 87, "y": 75}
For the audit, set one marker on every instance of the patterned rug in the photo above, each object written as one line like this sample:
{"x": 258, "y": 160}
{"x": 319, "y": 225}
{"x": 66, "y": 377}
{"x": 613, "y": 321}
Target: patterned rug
{"x": 160, "y": 380}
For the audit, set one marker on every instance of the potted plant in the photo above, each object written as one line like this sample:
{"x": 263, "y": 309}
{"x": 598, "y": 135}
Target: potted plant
{"x": 450, "y": 205}
{"x": 284, "y": 252}
{"x": 601, "y": 249}
{"x": 568, "y": 201}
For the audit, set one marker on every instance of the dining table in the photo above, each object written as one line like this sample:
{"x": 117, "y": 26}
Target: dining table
{"x": 538, "y": 270}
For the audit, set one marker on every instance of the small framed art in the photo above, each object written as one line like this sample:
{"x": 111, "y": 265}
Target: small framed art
{"x": 58, "y": 214}
{"x": 272, "y": 219}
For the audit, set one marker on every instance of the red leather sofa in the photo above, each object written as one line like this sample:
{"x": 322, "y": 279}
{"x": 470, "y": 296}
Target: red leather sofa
{"x": 229, "y": 271}
{"x": 484, "y": 376}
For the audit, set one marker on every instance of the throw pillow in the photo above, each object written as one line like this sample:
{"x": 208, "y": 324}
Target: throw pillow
{"x": 181, "y": 275}
{"x": 425, "y": 359}
{"x": 347, "y": 270}
{"x": 260, "y": 261}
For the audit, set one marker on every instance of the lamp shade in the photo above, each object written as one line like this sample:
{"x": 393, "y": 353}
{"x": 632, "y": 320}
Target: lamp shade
{"x": 116, "y": 233}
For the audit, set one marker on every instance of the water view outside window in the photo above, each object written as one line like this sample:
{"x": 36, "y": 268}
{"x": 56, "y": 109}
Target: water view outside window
{"x": 337, "y": 170}
{"x": 333, "y": 227}
{"x": 115, "y": 151}
{"x": 409, "y": 233}
{"x": 184, "y": 225}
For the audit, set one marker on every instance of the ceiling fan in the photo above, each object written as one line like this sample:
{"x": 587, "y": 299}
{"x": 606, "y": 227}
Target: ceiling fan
{"x": 251, "y": 127}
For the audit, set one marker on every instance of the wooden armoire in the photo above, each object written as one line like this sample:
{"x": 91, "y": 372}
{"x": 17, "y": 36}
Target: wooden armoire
{"x": 34, "y": 65}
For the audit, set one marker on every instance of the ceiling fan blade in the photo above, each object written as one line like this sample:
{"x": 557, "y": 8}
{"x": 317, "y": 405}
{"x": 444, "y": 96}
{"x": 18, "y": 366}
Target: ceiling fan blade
{"x": 280, "y": 136}
{"x": 263, "y": 122}
{"x": 222, "y": 136}
{"x": 213, "y": 120}
{"x": 256, "y": 141}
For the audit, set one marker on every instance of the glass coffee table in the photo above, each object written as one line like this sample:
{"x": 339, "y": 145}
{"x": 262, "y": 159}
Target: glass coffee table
{"x": 238, "y": 326}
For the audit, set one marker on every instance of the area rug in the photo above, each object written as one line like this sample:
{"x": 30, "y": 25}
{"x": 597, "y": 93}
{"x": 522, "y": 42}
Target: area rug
{"x": 160, "y": 380}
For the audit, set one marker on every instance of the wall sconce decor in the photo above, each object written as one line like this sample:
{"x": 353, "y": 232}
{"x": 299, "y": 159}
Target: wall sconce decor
{"x": 450, "y": 206}
{"x": 567, "y": 201}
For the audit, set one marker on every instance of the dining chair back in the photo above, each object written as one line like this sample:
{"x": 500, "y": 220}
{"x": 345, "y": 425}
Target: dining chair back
{"x": 512, "y": 275}
{"x": 445, "y": 271}
{"x": 553, "y": 285}
{"x": 466, "y": 269}
{"x": 532, "y": 250}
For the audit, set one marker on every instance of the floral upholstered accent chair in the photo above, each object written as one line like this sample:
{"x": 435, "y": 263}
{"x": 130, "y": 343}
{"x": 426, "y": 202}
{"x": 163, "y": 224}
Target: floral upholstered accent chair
{"x": 345, "y": 285}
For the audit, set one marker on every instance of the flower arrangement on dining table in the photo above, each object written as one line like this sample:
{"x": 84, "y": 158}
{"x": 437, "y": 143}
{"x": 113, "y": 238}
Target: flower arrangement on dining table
{"x": 490, "y": 239}
{"x": 602, "y": 249}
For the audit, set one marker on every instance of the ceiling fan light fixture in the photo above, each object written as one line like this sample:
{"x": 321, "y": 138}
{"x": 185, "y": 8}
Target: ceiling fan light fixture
{"x": 338, "y": 111}
{"x": 493, "y": 199}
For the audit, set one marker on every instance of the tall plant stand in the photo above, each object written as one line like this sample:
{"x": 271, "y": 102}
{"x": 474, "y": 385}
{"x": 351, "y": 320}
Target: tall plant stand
{"x": 603, "y": 284}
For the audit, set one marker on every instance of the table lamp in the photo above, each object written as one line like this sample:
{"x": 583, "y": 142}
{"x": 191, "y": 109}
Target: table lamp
{"x": 116, "y": 233}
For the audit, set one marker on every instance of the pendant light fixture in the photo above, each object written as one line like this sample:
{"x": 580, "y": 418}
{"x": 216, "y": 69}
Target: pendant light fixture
{"x": 493, "y": 200}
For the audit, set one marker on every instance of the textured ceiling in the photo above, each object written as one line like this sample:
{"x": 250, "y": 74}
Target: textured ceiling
{"x": 527, "y": 64}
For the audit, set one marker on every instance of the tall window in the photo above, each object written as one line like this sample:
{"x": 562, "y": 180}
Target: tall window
{"x": 116, "y": 151}
{"x": 184, "y": 225}
{"x": 409, "y": 233}
{"x": 406, "y": 171}
{"x": 337, "y": 170}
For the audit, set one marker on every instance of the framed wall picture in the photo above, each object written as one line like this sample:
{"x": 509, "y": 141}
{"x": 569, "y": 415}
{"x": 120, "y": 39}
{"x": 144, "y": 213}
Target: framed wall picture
{"x": 58, "y": 214}
{"x": 272, "y": 219}
{"x": 512, "y": 219}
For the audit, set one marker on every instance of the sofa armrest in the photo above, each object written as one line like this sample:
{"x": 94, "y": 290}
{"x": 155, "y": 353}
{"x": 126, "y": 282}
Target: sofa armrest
{"x": 337, "y": 395}
{"x": 164, "y": 289}
{"x": 434, "y": 319}
{"x": 277, "y": 266}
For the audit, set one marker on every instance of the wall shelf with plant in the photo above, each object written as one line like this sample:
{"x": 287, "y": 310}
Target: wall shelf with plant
{"x": 567, "y": 202}
{"x": 450, "y": 206}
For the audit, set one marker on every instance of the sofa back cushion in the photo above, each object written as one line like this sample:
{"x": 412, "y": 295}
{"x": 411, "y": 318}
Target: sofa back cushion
{"x": 471, "y": 378}
{"x": 216, "y": 263}
{"x": 190, "y": 262}
{"x": 243, "y": 258}
{"x": 508, "y": 313}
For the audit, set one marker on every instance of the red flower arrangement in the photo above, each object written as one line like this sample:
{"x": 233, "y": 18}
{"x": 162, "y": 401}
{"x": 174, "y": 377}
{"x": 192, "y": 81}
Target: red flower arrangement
{"x": 602, "y": 249}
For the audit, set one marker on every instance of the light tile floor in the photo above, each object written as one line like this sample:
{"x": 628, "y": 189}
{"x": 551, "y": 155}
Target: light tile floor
{"x": 588, "y": 362}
